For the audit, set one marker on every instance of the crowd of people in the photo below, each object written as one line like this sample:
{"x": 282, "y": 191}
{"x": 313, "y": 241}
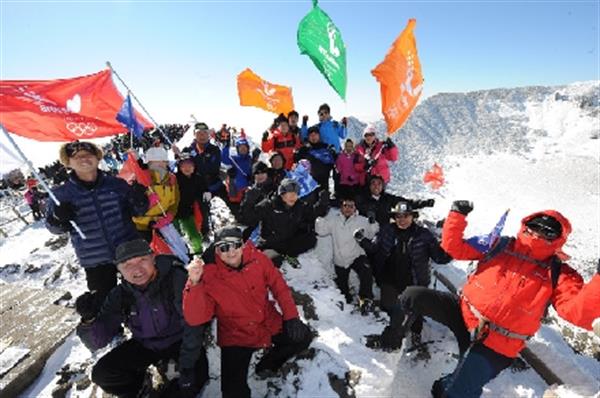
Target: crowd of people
{"x": 304, "y": 182}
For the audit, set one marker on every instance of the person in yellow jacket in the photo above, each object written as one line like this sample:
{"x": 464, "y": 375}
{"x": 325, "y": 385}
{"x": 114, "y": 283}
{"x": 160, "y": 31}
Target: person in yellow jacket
{"x": 164, "y": 184}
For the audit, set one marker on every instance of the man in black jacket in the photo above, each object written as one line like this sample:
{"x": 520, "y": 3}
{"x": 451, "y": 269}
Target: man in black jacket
{"x": 287, "y": 222}
{"x": 376, "y": 203}
{"x": 320, "y": 155}
{"x": 401, "y": 254}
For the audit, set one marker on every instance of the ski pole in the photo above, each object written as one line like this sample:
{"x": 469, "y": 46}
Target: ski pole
{"x": 139, "y": 103}
{"x": 40, "y": 179}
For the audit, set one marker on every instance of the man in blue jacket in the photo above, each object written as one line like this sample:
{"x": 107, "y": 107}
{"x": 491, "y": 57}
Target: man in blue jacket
{"x": 331, "y": 130}
{"x": 101, "y": 206}
{"x": 149, "y": 303}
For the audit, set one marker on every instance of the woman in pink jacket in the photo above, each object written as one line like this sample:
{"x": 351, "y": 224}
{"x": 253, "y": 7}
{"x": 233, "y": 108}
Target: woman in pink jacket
{"x": 349, "y": 178}
{"x": 373, "y": 156}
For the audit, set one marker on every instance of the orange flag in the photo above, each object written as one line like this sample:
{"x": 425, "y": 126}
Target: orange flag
{"x": 254, "y": 91}
{"x": 401, "y": 80}
{"x": 435, "y": 176}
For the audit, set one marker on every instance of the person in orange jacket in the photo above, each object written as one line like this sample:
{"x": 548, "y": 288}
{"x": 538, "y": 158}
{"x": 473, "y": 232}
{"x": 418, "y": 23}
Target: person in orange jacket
{"x": 235, "y": 290}
{"x": 502, "y": 302}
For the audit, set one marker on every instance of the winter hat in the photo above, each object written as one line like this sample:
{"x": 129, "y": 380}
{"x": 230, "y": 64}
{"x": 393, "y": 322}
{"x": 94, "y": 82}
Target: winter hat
{"x": 313, "y": 129}
{"x": 229, "y": 233}
{"x": 259, "y": 167}
{"x": 132, "y": 249}
{"x": 157, "y": 154}
{"x": 31, "y": 182}
{"x": 403, "y": 207}
{"x": 200, "y": 127}
{"x": 185, "y": 157}
{"x": 69, "y": 150}
{"x": 545, "y": 225}
{"x": 370, "y": 129}
{"x": 288, "y": 185}
{"x": 242, "y": 141}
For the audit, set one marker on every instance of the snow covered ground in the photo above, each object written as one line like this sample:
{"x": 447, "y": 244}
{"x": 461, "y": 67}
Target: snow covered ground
{"x": 525, "y": 149}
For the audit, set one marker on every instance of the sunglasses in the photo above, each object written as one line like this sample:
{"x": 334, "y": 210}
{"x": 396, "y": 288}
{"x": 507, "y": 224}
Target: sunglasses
{"x": 369, "y": 134}
{"x": 543, "y": 232}
{"x": 74, "y": 147}
{"x": 227, "y": 246}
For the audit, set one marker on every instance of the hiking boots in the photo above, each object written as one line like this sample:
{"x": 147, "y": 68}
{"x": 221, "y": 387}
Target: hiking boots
{"x": 415, "y": 339}
{"x": 365, "y": 306}
{"x": 388, "y": 340}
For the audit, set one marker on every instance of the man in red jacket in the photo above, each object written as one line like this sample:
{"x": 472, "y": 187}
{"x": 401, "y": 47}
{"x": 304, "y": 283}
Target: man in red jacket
{"x": 502, "y": 302}
{"x": 235, "y": 290}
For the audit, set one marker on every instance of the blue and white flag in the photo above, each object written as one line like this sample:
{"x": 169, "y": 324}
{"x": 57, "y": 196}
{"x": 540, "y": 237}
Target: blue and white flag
{"x": 126, "y": 116}
{"x": 302, "y": 176}
{"x": 484, "y": 243}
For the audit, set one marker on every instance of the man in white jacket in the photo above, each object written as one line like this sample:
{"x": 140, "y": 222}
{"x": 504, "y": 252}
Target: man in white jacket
{"x": 346, "y": 227}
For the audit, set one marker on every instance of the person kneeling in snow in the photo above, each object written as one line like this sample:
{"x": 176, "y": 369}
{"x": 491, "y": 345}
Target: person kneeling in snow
{"x": 342, "y": 225}
{"x": 502, "y": 302}
{"x": 149, "y": 303}
{"x": 235, "y": 291}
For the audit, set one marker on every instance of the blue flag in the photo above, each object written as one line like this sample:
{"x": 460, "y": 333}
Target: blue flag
{"x": 302, "y": 176}
{"x": 126, "y": 116}
{"x": 484, "y": 243}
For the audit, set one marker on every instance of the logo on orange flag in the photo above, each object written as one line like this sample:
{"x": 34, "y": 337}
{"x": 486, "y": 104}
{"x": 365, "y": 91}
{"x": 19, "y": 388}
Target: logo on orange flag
{"x": 401, "y": 80}
{"x": 435, "y": 176}
{"x": 254, "y": 91}
{"x": 63, "y": 109}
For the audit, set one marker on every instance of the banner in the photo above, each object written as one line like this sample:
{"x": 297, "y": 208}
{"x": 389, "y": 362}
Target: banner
{"x": 79, "y": 108}
{"x": 401, "y": 80}
{"x": 435, "y": 176}
{"x": 126, "y": 116}
{"x": 254, "y": 91}
{"x": 322, "y": 41}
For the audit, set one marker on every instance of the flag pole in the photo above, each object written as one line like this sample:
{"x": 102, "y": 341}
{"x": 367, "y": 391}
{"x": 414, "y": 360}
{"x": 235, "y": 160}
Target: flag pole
{"x": 39, "y": 178}
{"x": 139, "y": 103}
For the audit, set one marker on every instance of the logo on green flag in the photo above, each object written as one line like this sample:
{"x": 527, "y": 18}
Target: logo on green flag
{"x": 321, "y": 40}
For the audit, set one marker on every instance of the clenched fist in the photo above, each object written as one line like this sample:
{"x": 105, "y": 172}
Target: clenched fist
{"x": 195, "y": 270}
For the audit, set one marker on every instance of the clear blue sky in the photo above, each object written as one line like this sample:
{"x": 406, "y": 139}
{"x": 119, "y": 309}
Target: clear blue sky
{"x": 183, "y": 57}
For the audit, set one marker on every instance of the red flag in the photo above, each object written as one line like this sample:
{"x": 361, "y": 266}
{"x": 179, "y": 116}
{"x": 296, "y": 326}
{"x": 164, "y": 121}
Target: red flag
{"x": 400, "y": 77}
{"x": 64, "y": 109}
{"x": 435, "y": 176}
{"x": 198, "y": 217}
{"x": 131, "y": 170}
{"x": 158, "y": 245}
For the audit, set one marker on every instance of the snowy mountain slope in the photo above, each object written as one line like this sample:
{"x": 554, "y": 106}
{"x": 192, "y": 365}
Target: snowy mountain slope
{"x": 525, "y": 148}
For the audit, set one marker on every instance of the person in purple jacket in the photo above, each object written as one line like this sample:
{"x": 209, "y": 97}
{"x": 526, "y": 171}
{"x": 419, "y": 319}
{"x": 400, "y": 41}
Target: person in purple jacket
{"x": 149, "y": 303}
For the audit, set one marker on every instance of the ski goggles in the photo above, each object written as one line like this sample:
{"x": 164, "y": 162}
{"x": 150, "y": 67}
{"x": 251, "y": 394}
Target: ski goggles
{"x": 542, "y": 231}
{"x": 74, "y": 147}
{"x": 224, "y": 247}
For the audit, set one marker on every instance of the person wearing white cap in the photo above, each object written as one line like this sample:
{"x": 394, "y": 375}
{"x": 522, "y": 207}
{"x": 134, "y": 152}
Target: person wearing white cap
{"x": 373, "y": 156}
{"x": 164, "y": 184}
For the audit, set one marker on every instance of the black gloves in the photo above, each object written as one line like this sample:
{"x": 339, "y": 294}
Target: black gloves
{"x": 370, "y": 164}
{"x": 296, "y": 330}
{"x": 428, "y": 203}
{"x": 462, "y": 206}
{"x": 359, "y": 234}
{"x": 344, "y": 121}
{"x": 231, "y": 172}
{"x": 265, "y": 136}
{"x": 64, "y": 212}
{"x": 371, "y": 216}
{"x": 304, "y": 119}
{"x": 255, "y": 154}
{"x": 86, "y": 305}
{"x": 389, "y": 143}
{"x": 139, "y": 192}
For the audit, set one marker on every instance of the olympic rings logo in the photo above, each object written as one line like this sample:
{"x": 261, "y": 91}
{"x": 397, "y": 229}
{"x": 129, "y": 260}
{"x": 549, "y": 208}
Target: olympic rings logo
{"x": 82, "y": 129}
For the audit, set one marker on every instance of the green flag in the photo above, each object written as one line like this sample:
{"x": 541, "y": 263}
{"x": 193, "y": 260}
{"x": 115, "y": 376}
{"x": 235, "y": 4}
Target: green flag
{"x": 321, "y": 40}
